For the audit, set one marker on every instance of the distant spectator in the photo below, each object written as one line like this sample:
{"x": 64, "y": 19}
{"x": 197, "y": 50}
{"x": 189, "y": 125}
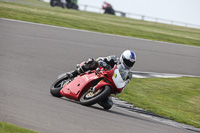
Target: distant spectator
{"x": 72, "y": 4}
{"x": 108, "y": 8}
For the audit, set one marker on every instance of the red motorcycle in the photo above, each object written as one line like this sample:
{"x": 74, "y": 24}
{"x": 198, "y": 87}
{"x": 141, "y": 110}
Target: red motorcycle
{"x": 91, "y": 87}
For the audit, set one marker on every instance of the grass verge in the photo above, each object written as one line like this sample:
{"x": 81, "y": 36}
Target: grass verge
{"x": 40, "y": 12}
{"x": 9, "y": 128}
{"x": 174, "y": 98}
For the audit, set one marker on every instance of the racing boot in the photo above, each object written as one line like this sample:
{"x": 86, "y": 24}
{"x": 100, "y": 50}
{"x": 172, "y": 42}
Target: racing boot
{"x": 90, "y": 64}
{"x": 75, "y": 73}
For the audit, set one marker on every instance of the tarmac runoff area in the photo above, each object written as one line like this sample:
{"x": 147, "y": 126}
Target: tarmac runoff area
{"x": 24, "y": 57}
{"x": 129, "y": 107}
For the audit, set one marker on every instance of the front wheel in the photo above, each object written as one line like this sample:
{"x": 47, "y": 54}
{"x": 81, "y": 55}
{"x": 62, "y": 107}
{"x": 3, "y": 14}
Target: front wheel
{"x": 57, "y": 86}
{"x": 90, "y": 97}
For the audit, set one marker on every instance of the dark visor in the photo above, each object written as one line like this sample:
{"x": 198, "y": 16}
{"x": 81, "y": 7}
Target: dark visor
{"x": 128, "y": 62}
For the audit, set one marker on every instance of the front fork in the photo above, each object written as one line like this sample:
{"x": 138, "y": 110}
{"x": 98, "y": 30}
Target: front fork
{"x": 99, "y": 85}
{"x": 96, "y": 89}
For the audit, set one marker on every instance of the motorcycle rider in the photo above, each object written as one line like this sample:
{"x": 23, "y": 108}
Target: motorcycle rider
{"x": 125, "y": 63}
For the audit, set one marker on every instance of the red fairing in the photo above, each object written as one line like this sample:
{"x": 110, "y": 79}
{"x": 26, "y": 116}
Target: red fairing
{"x": 76, "y": 88}
{"x": 73, "y": 89}
{"x": 110, "y": 73}
{"x": 119, "y": 90}
{"x": 101, "y": 84}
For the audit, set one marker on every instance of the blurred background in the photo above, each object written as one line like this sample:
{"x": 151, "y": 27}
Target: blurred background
{"x": 176, "y": 12}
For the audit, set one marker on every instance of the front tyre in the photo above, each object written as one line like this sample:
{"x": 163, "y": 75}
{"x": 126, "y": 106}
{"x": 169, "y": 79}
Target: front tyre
{"x": 90, "y": 97}
{"x": 57, "y": 86}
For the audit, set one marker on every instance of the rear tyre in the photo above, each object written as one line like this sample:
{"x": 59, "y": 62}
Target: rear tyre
{"x": 57, "y": 86}
{"x": 90, "y": 98}
{"x": 106, "y": 103}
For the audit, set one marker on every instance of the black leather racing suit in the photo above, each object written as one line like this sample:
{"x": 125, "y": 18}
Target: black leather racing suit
{"x": 92, "y": 64}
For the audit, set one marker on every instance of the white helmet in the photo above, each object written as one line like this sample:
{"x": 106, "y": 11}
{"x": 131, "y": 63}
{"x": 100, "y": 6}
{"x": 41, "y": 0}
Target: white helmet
{"x": 128, "y": 59}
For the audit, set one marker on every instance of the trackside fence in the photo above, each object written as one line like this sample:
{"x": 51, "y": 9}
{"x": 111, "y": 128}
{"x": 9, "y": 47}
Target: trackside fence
{"x": 138, "y": 16}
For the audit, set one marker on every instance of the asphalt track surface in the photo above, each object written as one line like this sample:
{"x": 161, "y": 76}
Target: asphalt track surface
{"x": 32, "y": 56}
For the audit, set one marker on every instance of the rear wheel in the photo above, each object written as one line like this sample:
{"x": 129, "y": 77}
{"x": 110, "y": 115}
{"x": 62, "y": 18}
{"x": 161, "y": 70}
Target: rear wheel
{"x": 57, "y": 86}
{"x": 106, "y": 103}
{"x": 92, "y": 97}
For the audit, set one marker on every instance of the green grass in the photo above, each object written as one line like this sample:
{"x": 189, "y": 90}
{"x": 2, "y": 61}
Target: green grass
{"x": 174, "y": 98}
{"x": 9, "y": 128}
{"x": 41, "y": 12}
